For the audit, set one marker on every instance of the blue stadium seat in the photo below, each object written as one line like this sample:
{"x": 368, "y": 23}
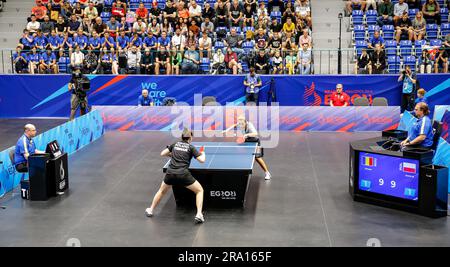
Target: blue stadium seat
{"x": 432, "y": 31}
{"x": 405, "y": 48}
{"x": 245, "y": 29}
{"x": 412, "y": 13}
{"x": 388, "y": 32}
{"x": 359, "y": 45}
{"x": 445, "y": 29}
{"x": 444, "y": 15}
{"x": 391, "y": 47}
{"x": 418, "y": 47}
{"x": 357, "y": 17}
{"x": 63, "y": 64}
{"x": 359, "y": 33}
{"x": 248, "y": 47}
{"x": 205, "y": 65}
{"x": 436, "y": 42}
{"x": 106, "y": 16}
{"x": 410, "y": 61}
{"x": 371, "y": 17}
{"x": 394, "y": 64}
{"x": 219, "y": 45}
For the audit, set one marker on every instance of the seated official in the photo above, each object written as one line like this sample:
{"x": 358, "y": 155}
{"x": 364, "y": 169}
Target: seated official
{"x": 145, "y": 99}
{"x": 421, "y": 133}
{"x": 339, "y": 98}
{"x": 25, "y": 147}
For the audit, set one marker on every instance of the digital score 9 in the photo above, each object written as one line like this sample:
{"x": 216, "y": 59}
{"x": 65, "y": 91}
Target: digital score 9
{"x": 381, "y": 182}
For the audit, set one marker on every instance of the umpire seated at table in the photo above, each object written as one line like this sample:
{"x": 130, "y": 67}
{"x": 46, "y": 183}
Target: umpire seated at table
{"x": 144, "y": 99}
{"x": 421, "y": 132}
{"x": 25, "y": 147}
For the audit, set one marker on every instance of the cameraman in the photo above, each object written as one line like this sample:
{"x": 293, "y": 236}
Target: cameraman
{"x": 79, "y": 93}
{"x": 252, "y": 83}
{"x": 408, "y": 92}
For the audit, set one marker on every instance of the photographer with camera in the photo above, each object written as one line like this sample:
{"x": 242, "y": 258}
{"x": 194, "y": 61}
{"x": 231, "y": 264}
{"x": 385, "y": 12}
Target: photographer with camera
{"x": 408, "y": 92}
{"x": 253, "y": 84}
{"x": 79, "y": 85}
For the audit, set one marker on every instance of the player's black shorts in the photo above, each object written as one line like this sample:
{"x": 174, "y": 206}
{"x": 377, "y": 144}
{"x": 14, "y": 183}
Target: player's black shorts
{"x": 259, "y": 150}
{"x": 185, "y": 179}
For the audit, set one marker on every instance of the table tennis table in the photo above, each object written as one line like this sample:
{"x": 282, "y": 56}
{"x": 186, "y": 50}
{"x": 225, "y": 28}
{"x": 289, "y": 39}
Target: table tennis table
{"x": 225, "y": 175}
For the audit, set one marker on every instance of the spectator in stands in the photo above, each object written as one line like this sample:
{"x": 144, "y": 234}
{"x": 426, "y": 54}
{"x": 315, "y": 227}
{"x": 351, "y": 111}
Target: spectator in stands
{"x": 145, "y": 100}
{"x": 81, "y": 40}
{"x": 421, "y": 96}
{"x": 91, "y": 12}
{"x": 431, "y": 11}
{"x": 78, "y": 11}
{"x": 40, "y": 41}
{"x": 425, "y": 62}
{"x": 409, "y": 82}
{"x": 182, "y": 12}
{"x": 303, "y": 12}
{"x": 66, "y": 11}
{"x": 275, "y": 43}
{"x": 205, "y": 44}
{"x": 67, "y": 42}
{"x": 90, "y": 61}
{"x": 136, "y": 41}
{"x": 155, "y": 12}
{"x": 115, "y": 61}
{"x": 154, "y": 27}
{"x": 288, "y": 13}
{"x": 218, "y": 62}
{"x": 248, "y": 16}
{"x": 252, "y": 4}
{"x": 73, "y": 25}
{"x": 87, "y": 27}
{"x": 221, "y": 15}
{"x": 289, "y": 26}
{"x": 234, "y": 41}
{"x": 95, "y": 42}
{"x": 291, "y": 62}
{"x": 252, "y": 83}
{"x": 27, "y": 41}
{"x": 208, "y": 12}
{"x": 363, "y": 63}
{"x": 403, "y": 28}
{"x": 355, "y": 4}
{"x": 305, "y": 38}
{"x": 133, "y": 60}
{"x": 262, "y": 62}
{"x": 47, "y": 26}
{"x": 304, "y": 59}
{"x": 164, "y": 41}
{"x": 162, "y": 60}
{"x": 175, "y": 60}
{"x": 167, "y": 27}
{"x": 375, "y": 39}
{"x": 261, "y": 40}
{"x": 446, "y": 42}
{"x": 385, "y": 13}
{"x": 108, "y": 41}
{"x": 99, "y": 26}
{"x": 262, "y": 14}
{"x": 113, "y": 27}
{"x": 39, "y": 10}
{"x": 275, "y": 27}
{"x": 146, "y": 64}
{"x": 194, "y": 28}
{"x": 339, "y": 98}
{"x": 277, "y": 63}
{"x": 61, "y": 25}
{"x": 399, "y": 10}
{"x": 441, "y": 61}
{"x": 378, "y": 60}
{"x": 139, "y": 27}
{"x": 105, "y": 63}
{"x": 275, "y": 3}
{"x": 77, "y": 58}
{"x": 170, "y": 13}
{"x": 419, "y": 26}
{"x": 178, "y": 40}
{"x": 119, "y": 9}
{"x": 33, "y": 59}
{"x": 232, "y": 61}
{"x": 191, "y": 61}
{"x": 33, "y": 25}
{"x": 125, "y": 26}
{"x": 195, "y": 12}
{"x": 142, "y": 12}
{"x": 48, "y": 62}
{"x": 235, "y": 15}
{"x": 208, "y": 26}
{"x": 54, "y": 41}
{"x": 413, "y": 4}
{"x": 20, "y": 61}
{"x": 289, "y": 42}
{"x": 371, "y": 3}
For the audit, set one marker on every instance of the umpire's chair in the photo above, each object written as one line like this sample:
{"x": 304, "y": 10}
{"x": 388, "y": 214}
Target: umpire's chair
{"x": 437, "y": 130}
{"x": 11, "y": 157}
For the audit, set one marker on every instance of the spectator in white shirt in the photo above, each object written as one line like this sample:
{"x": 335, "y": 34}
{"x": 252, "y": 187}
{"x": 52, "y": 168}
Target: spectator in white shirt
{"x": 178, "y": 40}
{"x": 195, "y": 12}
{"x": 399, "y": 8}
{"x": 205, "y": 44}
{"x": 33, "y": 25}
{"x": 77, "y": 58}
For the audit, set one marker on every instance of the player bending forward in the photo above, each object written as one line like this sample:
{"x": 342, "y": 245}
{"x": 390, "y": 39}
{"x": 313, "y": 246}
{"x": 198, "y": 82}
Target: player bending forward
{"x": 177, "y": 173}
{"x": 250, "y": 134}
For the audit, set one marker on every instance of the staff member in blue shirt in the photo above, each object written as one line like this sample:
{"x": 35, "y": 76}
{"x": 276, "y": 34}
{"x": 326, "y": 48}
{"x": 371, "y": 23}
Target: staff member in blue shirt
{"x": 252, "y": 85}
{"x": 421, "y": 133}
{"x": 24, "y": 148}
{"x": 409, "y": 83}
{"x": 145, "y": 99}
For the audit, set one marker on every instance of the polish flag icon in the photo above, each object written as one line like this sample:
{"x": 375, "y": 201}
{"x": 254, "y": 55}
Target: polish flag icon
{"x": 409, "y": 167}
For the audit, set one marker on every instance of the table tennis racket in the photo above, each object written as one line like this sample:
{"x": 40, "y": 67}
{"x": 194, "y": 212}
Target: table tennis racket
{"x": 202, "y": 148}
{"x": 240, "y": 140}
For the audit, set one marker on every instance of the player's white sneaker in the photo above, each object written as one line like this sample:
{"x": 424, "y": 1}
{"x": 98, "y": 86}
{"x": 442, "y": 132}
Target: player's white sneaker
{"x": 149, "y": 212}
{"x": 268, "y": 176}
{"x": 199, "y": 219}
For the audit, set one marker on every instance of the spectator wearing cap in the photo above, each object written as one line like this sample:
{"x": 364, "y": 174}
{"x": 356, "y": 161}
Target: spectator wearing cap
{"x": 441, "y": 61}
{"x": 147, "y": 62}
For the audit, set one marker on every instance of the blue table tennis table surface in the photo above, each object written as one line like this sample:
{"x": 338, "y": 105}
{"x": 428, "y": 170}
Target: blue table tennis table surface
{"x": 224, "y": 156}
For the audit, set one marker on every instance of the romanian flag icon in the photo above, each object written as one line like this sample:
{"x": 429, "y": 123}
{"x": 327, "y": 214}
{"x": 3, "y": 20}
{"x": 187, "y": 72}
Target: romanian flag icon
{"x": 409, "y": 167}
{"x": 369, "y": 161}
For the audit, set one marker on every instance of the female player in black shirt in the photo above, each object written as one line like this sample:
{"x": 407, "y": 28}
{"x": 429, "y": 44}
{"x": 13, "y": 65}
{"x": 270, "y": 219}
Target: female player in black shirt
{"x": 178, "y": 173}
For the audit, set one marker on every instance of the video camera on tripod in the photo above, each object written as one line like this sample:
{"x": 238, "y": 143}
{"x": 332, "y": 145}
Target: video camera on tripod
{"x": 82, "y": 84}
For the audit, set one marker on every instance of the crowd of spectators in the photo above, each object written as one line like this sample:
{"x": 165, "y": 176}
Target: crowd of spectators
{"x": 166, "y": 37}
{"x": 414, "y": 32}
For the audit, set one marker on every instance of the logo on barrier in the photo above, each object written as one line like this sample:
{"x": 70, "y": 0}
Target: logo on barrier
{"x": 310, "y": 97}
{"x": 228, "y": 195}
{"x": 332, "y": 120}
{"x": 377, "y": 120}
